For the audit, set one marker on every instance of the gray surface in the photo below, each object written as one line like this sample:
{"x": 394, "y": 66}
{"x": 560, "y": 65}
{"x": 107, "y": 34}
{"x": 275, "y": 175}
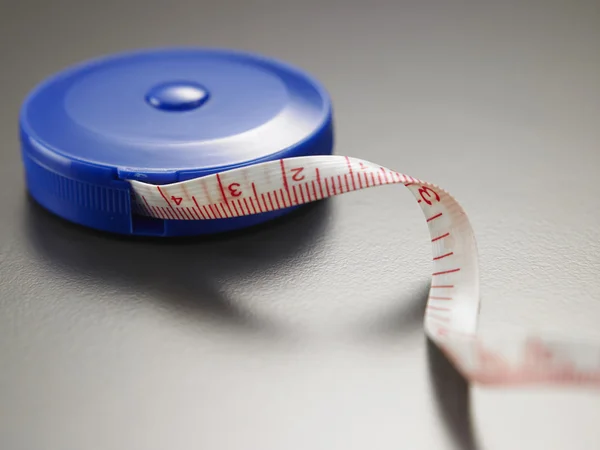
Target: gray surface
{"x": 219, "y": 344}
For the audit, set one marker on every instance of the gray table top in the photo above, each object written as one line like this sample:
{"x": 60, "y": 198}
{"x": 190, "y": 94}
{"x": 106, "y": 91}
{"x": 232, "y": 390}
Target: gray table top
{"x": 222, "y": 343}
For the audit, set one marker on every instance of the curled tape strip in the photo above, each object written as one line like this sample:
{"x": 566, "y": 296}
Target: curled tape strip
{"x": 453, "y": 303}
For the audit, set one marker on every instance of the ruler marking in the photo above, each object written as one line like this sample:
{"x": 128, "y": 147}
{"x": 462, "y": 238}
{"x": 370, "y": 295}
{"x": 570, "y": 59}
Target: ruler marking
{"x": 277, "y": 199}
{"x": 443, "y": 286}
{"x": 167, "y": 200}
{"x": 156, "y": 212}
{"x": 270, "y": 201}
{"x": 168, "y": 212}
{"x": 319, "y": 182}
{"x": 438, "y": 308}
{"x": 244, "y": 212}
{"x": 264, "y": 200}
{"x": 283, "y": 198}
{"x": 295, "y": 194}
{"x": 285, "y": 182}
{"x": 351, "y": 173}
{"x": 373, "y": 179}
{"x": 327, "y": 187}
{"x": 434, "y": 217}
{"x": 257, "y": 199}
{"x": 339, "y": 177}
{"x": 314, "y": 186}
{"x": 332, "y": 181}
{"x": 437, "y": 258}
{"x": 237, "y": 213}
{"x": 221, "y": 188}
{"x": 301, "y": 193}
{"x": 247, "y": 205}
{"x": 306, "y": 186}
{"x": 224, "y": 212}
{"x": 171, "y": 214}
{"x": 444, "y": 272}
{"x": 198, "y": 207}
{"x": 163, "y": 213}
{"x": 186, "y": 214}
{"x": 252, "y": 204}
{"x": 193, "y": 209}
{"x": 385, "y": 174}
{"x": 147, "y": 204}
{"x": 440, "y": 237}
{"x": 208, "y": 212}
{"x": 224, "y": 196}
{"x": 432, "y": 297}
{"x": 213, "y": 208}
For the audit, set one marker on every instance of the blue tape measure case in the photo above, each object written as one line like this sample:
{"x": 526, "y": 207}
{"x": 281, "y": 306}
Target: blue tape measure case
{"x": 162, "y": 116}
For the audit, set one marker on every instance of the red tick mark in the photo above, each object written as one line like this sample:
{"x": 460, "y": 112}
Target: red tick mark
{"x": 277, "y": 199}
{"x": 270, "y": 201}
{"x": 351, "y": 173}
{"x": 437, "y": 258}
{"x": 438, "y": 308}
{"x": 440, "y": 237}
{"x": 445, "y": 272}
{"x": 257, "y": 199}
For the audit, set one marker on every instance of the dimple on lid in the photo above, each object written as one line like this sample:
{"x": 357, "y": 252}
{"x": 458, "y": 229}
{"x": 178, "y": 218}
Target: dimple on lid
{"x": 162, "y": 116}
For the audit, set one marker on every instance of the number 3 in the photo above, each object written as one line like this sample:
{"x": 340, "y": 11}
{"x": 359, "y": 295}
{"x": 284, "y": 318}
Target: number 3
{"x": 233, "y": 189}
{"x": 425, "y": 191}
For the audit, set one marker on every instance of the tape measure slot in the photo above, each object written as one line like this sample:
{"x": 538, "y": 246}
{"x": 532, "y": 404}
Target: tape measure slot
{"x": 147, "y": 226}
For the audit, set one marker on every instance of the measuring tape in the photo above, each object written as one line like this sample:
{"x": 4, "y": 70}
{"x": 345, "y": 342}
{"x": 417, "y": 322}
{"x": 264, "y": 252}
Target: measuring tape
{"x": 181, "y": 142}
{"x": 453, "y": 301}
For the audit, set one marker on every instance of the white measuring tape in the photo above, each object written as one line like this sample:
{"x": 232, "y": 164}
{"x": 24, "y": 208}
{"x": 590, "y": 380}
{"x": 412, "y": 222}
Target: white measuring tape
{"x": 453, "y": 302}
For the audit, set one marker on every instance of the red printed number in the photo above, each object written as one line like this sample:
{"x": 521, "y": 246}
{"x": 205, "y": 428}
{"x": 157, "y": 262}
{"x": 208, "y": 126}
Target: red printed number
{"x": 362, "y": 166}
{"x": 233, "y": 189}
{"x": 177, "y": 200}
{"x": 297, "y": 172}
{"x": 427, "y": 194}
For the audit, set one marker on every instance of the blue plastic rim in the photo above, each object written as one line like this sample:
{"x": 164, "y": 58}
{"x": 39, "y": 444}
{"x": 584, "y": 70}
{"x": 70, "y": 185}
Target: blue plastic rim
{"x": 162, "y": 116}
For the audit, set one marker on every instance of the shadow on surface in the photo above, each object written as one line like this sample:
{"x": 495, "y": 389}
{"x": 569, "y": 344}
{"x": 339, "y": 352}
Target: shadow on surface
{"x": 406, "y": 317}
{"x": 452, "y": 395}
{"x": 185, "y": 274}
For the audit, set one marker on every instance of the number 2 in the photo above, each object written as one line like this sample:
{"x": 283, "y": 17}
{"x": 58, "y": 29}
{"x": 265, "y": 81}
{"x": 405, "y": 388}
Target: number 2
{"x": 297, "y": 172}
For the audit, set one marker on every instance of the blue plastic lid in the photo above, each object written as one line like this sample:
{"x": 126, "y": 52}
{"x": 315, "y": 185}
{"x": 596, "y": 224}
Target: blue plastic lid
{"x": 162, "y": 116}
